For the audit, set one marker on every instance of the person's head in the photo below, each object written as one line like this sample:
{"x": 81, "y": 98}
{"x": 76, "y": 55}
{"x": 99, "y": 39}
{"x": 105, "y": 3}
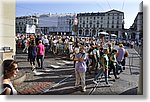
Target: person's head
{"x": 109, "y": 45}
{"x": 40, "y": 41}
{"x": 105, "y": 51}
{"x": 120, "y": 45}
{"x": 10, "y": 68}
{"x": 81, "y": 49}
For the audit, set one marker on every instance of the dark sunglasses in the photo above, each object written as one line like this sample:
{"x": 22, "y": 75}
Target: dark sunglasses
{"x": 16, "y": 69}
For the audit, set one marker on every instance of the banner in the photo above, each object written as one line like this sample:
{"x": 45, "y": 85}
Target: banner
{"x": 30, "y": 28}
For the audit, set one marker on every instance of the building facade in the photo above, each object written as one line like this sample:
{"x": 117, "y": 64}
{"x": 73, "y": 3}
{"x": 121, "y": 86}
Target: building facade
{"x": 56, "y": 24}
{"x": 136, "y": 30}
{"x": 23, "y": 21}
{"x": 48, "y": 23}
{"x": 89, "y": 24}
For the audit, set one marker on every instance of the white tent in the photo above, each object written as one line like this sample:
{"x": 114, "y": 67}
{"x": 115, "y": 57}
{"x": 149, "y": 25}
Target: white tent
{"x": 113, "y": 35}
{"x": 103, "y": 33}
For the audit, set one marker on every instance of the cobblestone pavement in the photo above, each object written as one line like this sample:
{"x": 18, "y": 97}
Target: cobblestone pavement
{"x": 58, "y": 78}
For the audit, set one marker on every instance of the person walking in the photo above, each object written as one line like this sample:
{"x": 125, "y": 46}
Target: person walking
{"x": 120, "y": 57}
{"x": 10, "y": 70}
{"x": 25, "y": 42}
{"x": 32, "y": 52}
{"x": 80, "y": 68}
{"x": 113, "y": 62}
{"x": 40, "y": 54}
{"x": 104, "y": 68}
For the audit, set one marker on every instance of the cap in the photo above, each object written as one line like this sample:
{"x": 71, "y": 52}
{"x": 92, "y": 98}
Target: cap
{"x": 120, "y": 45}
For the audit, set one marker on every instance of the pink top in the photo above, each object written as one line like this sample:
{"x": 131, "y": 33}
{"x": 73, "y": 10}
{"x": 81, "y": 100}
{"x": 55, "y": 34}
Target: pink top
{"x": 40, "y": 49}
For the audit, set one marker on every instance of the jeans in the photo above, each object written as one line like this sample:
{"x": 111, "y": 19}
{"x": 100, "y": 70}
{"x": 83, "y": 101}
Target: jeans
{"x": 118, "y": 67}
{"x": 102, "y": 72}
{"x": 40, "y": 60}
{"x": 112, "y": 67}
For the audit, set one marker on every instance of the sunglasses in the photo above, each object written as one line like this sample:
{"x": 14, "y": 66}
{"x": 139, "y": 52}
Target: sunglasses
{"x": 16, "y": 69}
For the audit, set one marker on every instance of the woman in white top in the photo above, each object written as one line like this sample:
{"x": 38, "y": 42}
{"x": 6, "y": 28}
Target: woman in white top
{"x": 10, "y": 69}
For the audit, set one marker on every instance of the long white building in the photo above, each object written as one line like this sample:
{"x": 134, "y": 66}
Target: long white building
{"x": 89, "y": 24}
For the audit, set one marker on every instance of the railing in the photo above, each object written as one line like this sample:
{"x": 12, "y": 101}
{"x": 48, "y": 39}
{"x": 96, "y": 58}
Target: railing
{"x": 132, "y": 58}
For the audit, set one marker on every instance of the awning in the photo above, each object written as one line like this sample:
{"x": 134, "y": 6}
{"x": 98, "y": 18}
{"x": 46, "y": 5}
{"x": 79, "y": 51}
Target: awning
{"x": 103, "y": 33}
{"x": 113, "y": 35}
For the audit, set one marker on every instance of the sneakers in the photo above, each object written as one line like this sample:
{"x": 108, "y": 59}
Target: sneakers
{"x": 84, "y": 90}
{"x": 117, "y": 77}
{"x": 109, "y": 76}
{"x": 33, "y": 68}
{"x": 94, "y": 81}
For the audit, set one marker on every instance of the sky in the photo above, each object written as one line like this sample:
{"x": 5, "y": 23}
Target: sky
{"x": 30, "y": 7}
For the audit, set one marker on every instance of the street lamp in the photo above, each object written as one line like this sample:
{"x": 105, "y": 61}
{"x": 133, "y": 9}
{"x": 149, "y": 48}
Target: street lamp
{"x": 75, "y": 26}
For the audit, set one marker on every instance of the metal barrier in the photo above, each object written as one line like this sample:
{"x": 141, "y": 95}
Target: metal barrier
{"x": 132, "y": 59}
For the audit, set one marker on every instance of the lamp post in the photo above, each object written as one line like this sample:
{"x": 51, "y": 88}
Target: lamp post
{"x": 75, "y": 27}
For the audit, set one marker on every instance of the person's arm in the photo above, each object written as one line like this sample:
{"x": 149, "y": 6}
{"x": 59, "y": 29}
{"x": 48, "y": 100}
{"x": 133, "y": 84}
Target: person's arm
{"x": 75, "y": 58}
{"x": 103, "y": 65}
{"x": 7, "y": 91}
{"x": 81, "y": 59}
{"x": 94, "y": 52}
{"x": 111, "y": 59}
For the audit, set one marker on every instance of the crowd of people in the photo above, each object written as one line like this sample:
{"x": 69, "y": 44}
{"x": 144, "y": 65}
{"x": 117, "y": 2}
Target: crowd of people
{"x": 90, "y": 55}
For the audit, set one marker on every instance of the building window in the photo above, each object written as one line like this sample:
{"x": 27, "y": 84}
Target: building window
{"x": 94, "y": 26}
{"x": 107, "y": 22}
{"x": 117, "y": 17}
{"x": 87, "y": 25}
{"x": 97, "y": 26}
{"x": 101, "y": 25}
{"x": 112, "y": 22}
{"x": 107, "y": 25}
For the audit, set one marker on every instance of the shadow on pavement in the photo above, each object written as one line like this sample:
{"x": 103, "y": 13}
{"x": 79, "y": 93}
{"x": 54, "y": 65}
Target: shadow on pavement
{"x": 132, "y": 91}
